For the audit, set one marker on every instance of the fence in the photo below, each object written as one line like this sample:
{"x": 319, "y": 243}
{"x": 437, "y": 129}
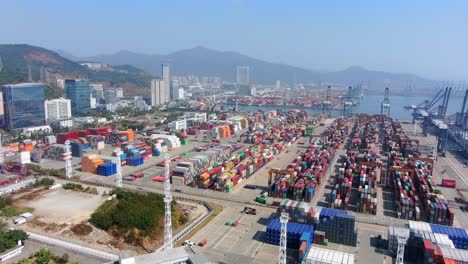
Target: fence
{"x": 72, "y": 246}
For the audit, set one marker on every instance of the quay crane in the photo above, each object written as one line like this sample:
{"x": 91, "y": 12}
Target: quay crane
{"x": 385, "y": 105}
{"x": 326, "y": 106}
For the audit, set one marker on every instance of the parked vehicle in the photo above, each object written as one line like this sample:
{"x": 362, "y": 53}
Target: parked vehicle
{"x": 250, "y": 210}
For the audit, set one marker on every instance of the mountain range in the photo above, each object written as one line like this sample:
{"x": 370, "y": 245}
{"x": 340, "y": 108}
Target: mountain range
{"x": 19, "y": 59}
{"x": 201, "y": 61}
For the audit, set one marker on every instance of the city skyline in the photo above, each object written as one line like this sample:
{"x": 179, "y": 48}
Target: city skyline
{"x": 412, "y": 37}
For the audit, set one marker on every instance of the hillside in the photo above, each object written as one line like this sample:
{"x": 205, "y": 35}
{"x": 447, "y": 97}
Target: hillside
{"x": 16, "y": 59}
{"x": 208, "y": 62}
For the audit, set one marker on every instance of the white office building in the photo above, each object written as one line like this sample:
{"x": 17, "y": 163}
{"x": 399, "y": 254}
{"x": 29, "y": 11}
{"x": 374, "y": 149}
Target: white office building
{"x": 57, "y": 109}
{"x": 158, "y": 92}
{"x": 243, "y": 74}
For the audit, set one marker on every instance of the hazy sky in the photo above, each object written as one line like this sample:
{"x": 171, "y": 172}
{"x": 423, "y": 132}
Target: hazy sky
{"x": 426, "y": 37}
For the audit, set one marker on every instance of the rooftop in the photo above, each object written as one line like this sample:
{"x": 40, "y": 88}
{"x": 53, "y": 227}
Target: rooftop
{"x": 22, "y": 85}
{"x": 175, "y": 255}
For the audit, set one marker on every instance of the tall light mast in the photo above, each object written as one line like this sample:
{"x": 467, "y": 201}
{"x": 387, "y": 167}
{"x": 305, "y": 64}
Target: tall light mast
{"x": 283, "y": 239}
{"x": 1, "y": 151}
{"x": 118, "y": 176}
{"x": 68, "y": 157}
{"x": 167, "y": 203}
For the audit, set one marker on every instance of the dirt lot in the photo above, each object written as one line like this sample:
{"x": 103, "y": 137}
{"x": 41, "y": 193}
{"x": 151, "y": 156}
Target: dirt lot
{"x": 61, "y": 206}
{"x": 57, "y": 212}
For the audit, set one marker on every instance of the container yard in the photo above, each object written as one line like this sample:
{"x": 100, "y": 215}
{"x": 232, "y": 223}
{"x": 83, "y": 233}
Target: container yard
{"x": 303, "y": 175}
{"x": 283, "y": 161}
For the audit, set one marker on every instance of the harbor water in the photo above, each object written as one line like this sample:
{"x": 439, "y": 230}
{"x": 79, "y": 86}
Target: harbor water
{"x": 369, "y": 104}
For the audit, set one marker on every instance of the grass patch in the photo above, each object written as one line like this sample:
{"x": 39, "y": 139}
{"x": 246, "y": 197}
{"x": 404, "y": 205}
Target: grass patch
{"x": 217, "y": 209}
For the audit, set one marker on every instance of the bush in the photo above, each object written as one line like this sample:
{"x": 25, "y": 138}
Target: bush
{"x": 44, "y": 256}
{"x": 132, "y": 210}
{"x": 46, "y": 182}
{"x": 5, "y": 201}
{"x": 73, "y": 186}
{"x": 9, "y": 239}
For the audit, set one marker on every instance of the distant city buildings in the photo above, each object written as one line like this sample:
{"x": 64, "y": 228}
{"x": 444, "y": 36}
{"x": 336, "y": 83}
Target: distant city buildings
{"x": 23, "y": 105}
{"x": 140, "y": 104}
{"x": 57, "y": 109}
{"x": 190, "y": 80}
{"x": 166, "y": 76}
{"x": 110, "y": 96}
{"x": 278, "y": 84}
{"x": 79, "y": 91}
{"x": 158, "y": 92}
{"x": 61, "y": 83}
{"x": 94, "y": 65}
{"x": 246, "y": 90}
{"x": 243, "y": 74}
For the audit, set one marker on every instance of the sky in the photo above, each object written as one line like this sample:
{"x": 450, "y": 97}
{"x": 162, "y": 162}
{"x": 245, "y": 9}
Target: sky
{"x": 424, "y": 37}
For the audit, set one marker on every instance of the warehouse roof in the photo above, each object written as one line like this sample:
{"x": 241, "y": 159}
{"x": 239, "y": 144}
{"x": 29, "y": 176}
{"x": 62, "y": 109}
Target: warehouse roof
{"x": 175, "y": 255}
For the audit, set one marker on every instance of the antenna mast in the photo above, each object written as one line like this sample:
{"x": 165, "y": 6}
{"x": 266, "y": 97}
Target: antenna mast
{"x": 167, "y": 202}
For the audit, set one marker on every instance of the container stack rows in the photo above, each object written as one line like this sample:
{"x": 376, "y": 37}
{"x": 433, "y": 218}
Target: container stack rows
{"x": 338, "y": 226}
{"x": 331, "y": 225}
{"x": 308, "y": 170}
{"x": 339, "y": 197}
{"x": 458, "y": 236}
{"x": 436, "y": 206}
{"x": 295, "y": 232}
{"x": 236, "y": 167}
{"x": 107, "y": 169}
{"x": 367, "y": 190}
{"x": 90, "y": 163}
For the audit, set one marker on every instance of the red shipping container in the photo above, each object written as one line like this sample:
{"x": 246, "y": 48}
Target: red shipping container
{"x": 449, "y": 183}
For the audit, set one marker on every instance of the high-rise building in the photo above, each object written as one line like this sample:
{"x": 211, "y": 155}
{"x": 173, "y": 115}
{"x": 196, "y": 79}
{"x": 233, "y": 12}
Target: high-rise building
{"x": 23, "y": 105}
{"x": 78, "y": 91}
{"x": 57, "y": 109}
{"x": 243, "y": 74}
{"x": 166, "y": 75}
{"x": 158, "y": 92}
{"x": 97, "y": 91}
{"x": 278, "y": 84}
{"x": 110, "y": 95}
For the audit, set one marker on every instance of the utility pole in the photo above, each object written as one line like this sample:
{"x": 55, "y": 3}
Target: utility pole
{"x": 167, "y": 203}
{"x": 284, "y": 218}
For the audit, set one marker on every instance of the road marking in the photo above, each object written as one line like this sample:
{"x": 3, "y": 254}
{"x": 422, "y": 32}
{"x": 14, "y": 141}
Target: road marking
{"x": 456, "y": 170}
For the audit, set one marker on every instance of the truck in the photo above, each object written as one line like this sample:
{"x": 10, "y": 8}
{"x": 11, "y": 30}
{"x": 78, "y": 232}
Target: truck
{"x": 449, "y": 183}
{"x": 138, "y": 175}
{"x": 202, "y": 243}
{"x": 250, "y": 210}
{"x": 188, "y": 243}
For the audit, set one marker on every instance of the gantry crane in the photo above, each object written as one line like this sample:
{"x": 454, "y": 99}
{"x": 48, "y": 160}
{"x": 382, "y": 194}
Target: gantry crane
{"x": 326, "y": 106}
{"x": 385, "y": 105}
